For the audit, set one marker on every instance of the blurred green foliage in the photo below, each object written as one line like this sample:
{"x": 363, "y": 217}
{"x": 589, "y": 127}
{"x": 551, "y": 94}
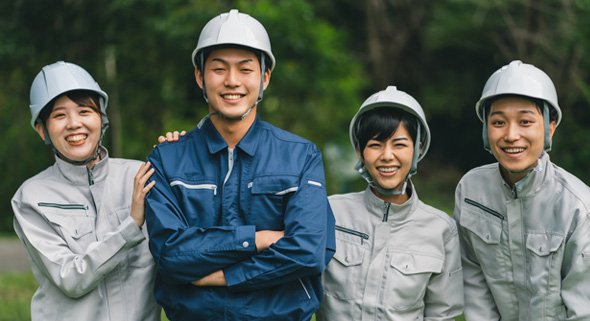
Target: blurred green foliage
{"x": 331, "y": 55}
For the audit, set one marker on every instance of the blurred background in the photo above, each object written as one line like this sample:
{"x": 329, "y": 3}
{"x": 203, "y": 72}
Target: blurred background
{"x": 331, "y": 55}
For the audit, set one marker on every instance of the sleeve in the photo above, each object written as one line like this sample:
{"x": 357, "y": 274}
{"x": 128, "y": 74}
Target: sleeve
{"x": 185, "y": 253}
{"x": 444, "y": 299}
{"x": 74, "y": 273}
{"x": 575, "y": 285}
{"x": 479, "y": 303}
{"x": 309, "y": 241}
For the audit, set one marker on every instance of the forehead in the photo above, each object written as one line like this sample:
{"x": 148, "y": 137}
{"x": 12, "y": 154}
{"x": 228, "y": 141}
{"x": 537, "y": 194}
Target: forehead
{"x": 64, "y": 101}
{"x": 232, "y": 55}
{"x": 514, "y": 105}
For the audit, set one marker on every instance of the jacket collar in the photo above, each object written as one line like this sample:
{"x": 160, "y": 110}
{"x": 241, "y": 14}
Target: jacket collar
{"x": 533, "y": 181}
{"x": 248, "y": 144}
{"x": 78, "y": 175}
{"x": 394, "y": 212}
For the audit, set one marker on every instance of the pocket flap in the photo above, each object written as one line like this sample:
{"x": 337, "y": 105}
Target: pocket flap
{"x": 278, "y": 185}
{"x": 408, "y": 263}
{"x": 487, "y": 229}
{"x": 348, "y": 254}
{"x": 543, "y": 244}
{"x": 75, "y": 226}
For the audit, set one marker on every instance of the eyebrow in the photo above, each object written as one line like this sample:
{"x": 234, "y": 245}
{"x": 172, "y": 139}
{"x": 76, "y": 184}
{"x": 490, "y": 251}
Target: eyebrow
{"x": 395, "y": 139}
{"x": 524, "y": 111}
{"x": 241, "y": 62}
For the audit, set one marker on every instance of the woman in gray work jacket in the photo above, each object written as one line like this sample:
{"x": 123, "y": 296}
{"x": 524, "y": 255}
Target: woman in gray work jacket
{"x": 80, "y": 219}
{"x": 396, "y": 257}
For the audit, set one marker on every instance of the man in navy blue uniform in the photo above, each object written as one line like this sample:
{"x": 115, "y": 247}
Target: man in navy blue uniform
{"x": 239, "y": 223}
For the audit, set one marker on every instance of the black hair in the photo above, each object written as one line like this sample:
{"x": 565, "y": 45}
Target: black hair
{"x": 382, "y": 123}
{"x": 207, "y": 51}
{"x": 86, "y": 98}
{"x": 538, "y": 102}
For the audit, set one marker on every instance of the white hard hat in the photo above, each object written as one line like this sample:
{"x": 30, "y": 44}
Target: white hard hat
{"x": 235, "y": 28}
{"x": 518, "y": 78}
{"x": 393, "y": 98}
{"x": 58, "y": 78}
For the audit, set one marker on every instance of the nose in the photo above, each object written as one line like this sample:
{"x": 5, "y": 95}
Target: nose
{"x": 232, "y": 78}
{"x": 387, "y": 155}
{"x": 73, "y": 122}
{"x": 512, "y": 133}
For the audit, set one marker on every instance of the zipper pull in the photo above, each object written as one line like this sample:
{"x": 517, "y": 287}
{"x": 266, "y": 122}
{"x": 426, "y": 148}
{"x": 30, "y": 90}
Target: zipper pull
{"x": 90, "y": 176}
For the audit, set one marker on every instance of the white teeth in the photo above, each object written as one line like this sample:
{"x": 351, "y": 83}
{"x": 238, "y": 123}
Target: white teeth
{"x": 76, "y": 138}
{"x": 514, "y": 150}
{"x": 231, "y": 96}
{"x": 387, "y": 169}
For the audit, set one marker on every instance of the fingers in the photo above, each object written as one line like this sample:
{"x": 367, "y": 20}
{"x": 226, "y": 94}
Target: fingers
{"x": 142, "y": 176}
{"x": 171, "y": 137}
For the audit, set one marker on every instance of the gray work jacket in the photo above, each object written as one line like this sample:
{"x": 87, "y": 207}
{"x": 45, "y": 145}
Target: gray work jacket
{"x": 90, "y": 258}
{"x": 392, "y": 262}
{"x": 526, "y": 249}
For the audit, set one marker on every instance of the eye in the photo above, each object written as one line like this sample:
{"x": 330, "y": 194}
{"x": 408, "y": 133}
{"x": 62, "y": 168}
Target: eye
{"x": 374, "y": 144}
{"x": 497, "y": 122}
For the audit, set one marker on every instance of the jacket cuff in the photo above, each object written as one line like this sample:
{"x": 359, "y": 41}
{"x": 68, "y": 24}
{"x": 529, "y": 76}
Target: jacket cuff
{"x": 246, "y": 241}
{"x": 131, "y": 232}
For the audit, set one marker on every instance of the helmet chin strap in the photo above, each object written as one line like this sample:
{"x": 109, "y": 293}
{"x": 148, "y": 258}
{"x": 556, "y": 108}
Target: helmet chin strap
{"x": 260, "y": 92}
{"x": 360, "y": 167}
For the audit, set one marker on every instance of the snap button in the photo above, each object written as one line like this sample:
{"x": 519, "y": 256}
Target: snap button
{"x": 245, "y": 244}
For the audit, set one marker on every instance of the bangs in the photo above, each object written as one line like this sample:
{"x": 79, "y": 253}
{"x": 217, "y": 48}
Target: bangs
{"x": 381, "y": 123}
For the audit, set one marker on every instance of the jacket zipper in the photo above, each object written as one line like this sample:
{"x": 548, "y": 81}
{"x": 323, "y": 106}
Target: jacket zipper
{"x": 484, "y": 208}
{"x": 197, "y": 186}
{"x": 362, "y": 235}
{"x": 65, "y": 206}
{"x": 386, "y": 212}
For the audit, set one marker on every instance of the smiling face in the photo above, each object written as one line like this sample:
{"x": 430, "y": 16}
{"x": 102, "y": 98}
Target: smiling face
{"x": 232, "y": 81}
{"x": 74, "y": 129}
{"x": 389, "y": 161}
{"x": 517, "y": 135}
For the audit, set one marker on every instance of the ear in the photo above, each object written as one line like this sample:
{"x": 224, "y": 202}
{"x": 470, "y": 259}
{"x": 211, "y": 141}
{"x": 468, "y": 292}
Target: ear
{"x": 552, "y": 127}
{"x": 360, "y": 156}
{"x": 199, "y": 77}
{"x": 40, "y": 131}
{"x": 266, "y": 78}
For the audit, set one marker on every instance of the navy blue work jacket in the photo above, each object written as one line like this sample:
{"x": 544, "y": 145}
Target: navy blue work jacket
{"x": 203, "y": 213}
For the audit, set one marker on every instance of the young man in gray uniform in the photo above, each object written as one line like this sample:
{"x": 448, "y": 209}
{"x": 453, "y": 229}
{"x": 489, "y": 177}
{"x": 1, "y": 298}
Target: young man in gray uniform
{"x": 524, "y": 225}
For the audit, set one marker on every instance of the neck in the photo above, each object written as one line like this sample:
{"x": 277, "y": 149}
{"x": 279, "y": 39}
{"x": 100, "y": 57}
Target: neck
{"x": 512, "y": 178}
{"x": 233, "y": 131}
{"x": 394, "y": 199}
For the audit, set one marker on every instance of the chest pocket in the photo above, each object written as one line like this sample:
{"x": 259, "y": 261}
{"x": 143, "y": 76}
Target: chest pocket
{"x": 545, "y": 255}
{"x": 197, "y": 196}
{"x": 408, "y": 278}
{"x": 345, "y": 271}
{"x": 269, "y": 197}
{"x": 72, "y": 221}
{"x": 484, "y": 231}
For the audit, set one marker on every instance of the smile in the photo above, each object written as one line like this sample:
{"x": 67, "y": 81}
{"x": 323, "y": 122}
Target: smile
{"x": 76, "y": 138}
{"x": 231, "y": 96}
{"x": 514, "y": 150}
{"x": 387, "y": 169}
